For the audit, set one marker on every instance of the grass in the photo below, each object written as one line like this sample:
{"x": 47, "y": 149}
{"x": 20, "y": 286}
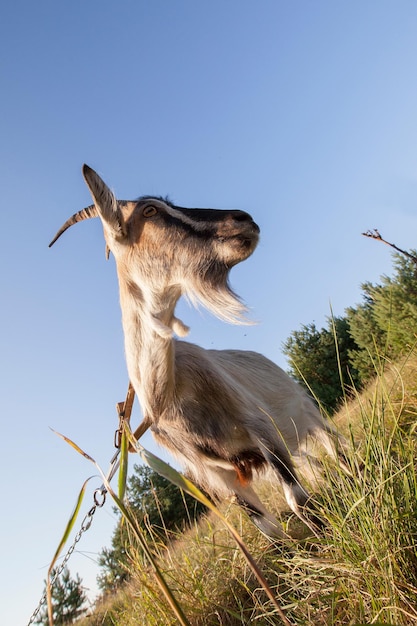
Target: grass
{"x": 362, "y": 570}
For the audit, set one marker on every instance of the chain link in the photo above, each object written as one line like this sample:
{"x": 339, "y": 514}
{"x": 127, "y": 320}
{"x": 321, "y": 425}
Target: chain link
{"x": 99, "y": 497}
{"x": 124, "y": 410}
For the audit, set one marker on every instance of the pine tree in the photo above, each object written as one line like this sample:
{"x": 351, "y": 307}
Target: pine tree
{"x": 369, "y": 338}
{"x": 385, "y": 325}
{"x": 68, "y": 600}
{"x": 319, "y": 360}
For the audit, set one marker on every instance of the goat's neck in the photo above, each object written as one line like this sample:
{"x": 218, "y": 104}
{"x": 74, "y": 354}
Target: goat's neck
{"x": 147, "y": 322}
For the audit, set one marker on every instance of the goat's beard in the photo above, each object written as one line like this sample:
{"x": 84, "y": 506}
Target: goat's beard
{"x": 213, "y": 291}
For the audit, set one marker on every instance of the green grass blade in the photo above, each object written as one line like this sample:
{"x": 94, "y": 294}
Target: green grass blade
{"x": 63, "y": 541}
{"x": 123, "y": 468}
{"x": 74, "y": 445}
{"x": 70, "y": 523}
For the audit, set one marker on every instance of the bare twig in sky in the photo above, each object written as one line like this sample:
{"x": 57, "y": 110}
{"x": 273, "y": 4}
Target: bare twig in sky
{"x": 375, "y": 234}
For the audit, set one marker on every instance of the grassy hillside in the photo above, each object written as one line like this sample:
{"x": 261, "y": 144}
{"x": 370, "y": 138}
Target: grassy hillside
{"x": 362, "y": 570}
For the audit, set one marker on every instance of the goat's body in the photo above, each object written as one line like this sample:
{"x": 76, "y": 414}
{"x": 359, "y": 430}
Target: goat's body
{"x": 225, "y": 414}
{"x": 254, "y": 400}
{"x": 235, "y": 413}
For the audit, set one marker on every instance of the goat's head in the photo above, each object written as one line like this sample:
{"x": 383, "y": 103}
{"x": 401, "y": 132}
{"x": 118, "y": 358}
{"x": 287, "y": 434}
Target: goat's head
{"x": 159, "y": 246}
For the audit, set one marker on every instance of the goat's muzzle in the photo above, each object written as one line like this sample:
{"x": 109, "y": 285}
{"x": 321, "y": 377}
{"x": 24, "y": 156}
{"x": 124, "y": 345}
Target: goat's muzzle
{"x": 240, "y": 232}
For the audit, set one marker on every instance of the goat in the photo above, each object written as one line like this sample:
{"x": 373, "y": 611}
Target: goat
{"x": 224, "y": 414}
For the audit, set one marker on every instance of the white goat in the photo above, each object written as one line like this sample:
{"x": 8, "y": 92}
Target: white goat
{"x": 225, "y": 414}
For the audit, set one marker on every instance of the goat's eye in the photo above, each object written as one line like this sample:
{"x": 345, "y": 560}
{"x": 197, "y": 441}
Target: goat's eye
{"x": 149, "y": 211}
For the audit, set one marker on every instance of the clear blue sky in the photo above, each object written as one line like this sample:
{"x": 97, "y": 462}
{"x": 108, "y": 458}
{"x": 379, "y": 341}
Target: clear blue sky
{"x": 302, "y": 113}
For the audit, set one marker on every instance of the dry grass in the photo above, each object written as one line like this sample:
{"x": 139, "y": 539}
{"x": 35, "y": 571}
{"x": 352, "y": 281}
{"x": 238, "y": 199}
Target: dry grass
{"x": 363, "y": 570}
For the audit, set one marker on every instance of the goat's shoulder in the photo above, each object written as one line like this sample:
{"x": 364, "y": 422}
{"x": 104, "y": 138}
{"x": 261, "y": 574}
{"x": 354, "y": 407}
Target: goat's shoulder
{"x": 207, "y": 408}
{"x": 197, "y": 370}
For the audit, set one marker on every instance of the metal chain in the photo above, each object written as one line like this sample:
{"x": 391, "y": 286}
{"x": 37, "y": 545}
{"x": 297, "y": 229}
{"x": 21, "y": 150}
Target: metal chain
{"x": 85, "y": 525}
{"x": 124, "y": 410}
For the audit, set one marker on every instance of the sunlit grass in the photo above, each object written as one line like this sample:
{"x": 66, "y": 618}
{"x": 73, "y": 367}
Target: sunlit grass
{"x": 362, "y": 570}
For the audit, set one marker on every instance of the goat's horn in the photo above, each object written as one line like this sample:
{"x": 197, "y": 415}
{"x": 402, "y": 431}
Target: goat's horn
{"x": 84, "y": 214}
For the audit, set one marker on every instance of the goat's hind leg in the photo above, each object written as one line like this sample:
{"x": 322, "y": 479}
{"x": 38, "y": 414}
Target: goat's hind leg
{"x": 295, "y": 494}
{"x": 224, "y": 473}
{"x": 247, "y": 498}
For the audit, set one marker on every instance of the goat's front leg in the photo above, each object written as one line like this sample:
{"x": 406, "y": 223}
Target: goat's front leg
{"x": 141, "y": 430}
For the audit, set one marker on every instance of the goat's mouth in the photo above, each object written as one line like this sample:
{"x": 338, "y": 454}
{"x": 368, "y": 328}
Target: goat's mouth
{"x": 247, "y": 244}
{"x": 237, "y": 248}
{"x": 244, "y": 241}
{"x": 247, "y": 236}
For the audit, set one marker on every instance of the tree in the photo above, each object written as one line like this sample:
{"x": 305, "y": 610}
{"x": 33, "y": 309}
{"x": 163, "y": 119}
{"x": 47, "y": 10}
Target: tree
{"x": 68, "y": 600}
{"x": 319, "y": 360}
{"x": 161, "y": 510}
{"x": 385, "y": 325}
{"x": 369, "y": 338}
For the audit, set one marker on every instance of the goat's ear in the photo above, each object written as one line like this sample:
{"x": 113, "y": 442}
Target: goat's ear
{"x": 104, "y": 200}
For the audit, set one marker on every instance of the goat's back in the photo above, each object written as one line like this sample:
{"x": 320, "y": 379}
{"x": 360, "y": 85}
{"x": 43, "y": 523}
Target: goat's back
{"x": 253, "y": 391}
